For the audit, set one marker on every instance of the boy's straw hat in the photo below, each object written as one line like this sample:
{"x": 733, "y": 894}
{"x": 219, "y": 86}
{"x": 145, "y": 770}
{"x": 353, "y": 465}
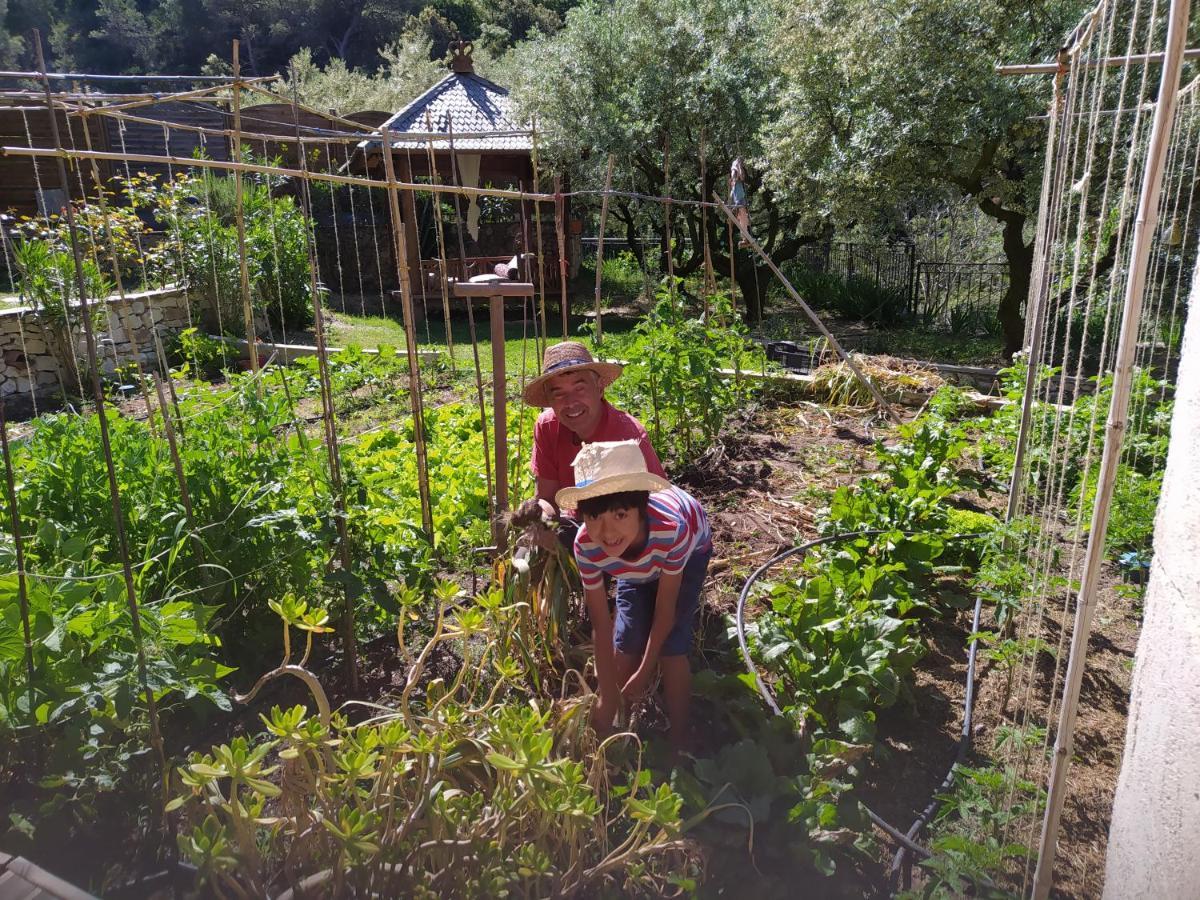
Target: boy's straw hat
{"x": 567, "y": 356}
{"x": 609, "y": 467}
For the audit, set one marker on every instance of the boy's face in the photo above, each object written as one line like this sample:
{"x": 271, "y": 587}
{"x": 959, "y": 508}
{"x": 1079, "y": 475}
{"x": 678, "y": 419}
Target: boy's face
{"x": 616, "y": 530}
{"x": 576, "y": 399}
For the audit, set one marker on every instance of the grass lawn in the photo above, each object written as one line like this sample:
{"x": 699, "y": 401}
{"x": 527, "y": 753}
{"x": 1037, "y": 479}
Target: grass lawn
{"x": 373, "y": 331}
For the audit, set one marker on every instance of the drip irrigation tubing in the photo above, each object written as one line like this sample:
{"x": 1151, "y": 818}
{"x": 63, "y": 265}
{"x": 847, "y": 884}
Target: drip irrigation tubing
{"x": 905, "y": 839}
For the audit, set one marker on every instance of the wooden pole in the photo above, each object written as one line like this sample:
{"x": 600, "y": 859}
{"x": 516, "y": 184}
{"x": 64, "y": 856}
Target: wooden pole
{"x": 600, "y": 245}
{"x": 349, "y": 641}
{"x": 816, "y": 320}
{"x": 456, "y": 177}
{"x": 277, "y": 171}
{"x": 537, "y": 224}
{"x": 416, "y": 403}
{"x": 499, "y": 412}
{"x": 667, "y": 215}
{"x": 710, "y": 278}
{"x": 560, "y": 212}
{"x": 1132, "y": 60}
{"x": 1036, "y": 307}
{"x": 1118, "y": 414}
{"x": 436, "y": 202}
{"x": 240, "y": 215}
{"x": 114, "y": 490}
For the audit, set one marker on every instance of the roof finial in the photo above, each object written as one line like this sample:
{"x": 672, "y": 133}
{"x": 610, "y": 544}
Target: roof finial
{"x": 461, "y": 60}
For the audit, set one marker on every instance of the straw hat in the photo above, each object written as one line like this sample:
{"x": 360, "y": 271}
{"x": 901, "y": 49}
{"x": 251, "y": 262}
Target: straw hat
{"x": 567, "y": 356}
{"x": 609, "y": 467}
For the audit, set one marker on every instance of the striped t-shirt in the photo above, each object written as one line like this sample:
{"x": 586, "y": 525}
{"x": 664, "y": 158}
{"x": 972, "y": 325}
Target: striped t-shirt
{"x": 677, "y": 528}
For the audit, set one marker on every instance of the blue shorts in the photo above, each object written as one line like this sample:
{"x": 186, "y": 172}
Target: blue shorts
{"x": 635, "y": 610}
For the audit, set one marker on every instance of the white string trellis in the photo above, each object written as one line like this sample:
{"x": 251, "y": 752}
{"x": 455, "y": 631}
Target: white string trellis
{"x": 1097, "y": 166}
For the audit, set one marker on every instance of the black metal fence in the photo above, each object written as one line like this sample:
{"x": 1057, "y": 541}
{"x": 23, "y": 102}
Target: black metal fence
{"x": 936, "y": 294}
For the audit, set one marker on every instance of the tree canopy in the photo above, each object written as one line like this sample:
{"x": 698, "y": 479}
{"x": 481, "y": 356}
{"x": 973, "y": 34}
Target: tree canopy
{"x": 887, "y": 102}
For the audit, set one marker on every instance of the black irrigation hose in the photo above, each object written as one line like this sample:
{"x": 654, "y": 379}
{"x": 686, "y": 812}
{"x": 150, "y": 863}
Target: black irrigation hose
{"x": 906, "y": 840}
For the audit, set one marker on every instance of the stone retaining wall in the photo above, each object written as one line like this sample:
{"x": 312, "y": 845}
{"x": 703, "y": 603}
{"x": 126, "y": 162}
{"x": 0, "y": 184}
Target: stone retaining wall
{"x": 27, "y": 350}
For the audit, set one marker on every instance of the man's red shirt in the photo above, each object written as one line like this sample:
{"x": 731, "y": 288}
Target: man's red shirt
{"x": 555, "y": 445}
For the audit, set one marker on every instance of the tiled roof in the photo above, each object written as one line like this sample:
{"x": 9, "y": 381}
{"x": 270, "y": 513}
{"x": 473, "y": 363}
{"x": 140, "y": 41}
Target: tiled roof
{"x": 474, "y": 104}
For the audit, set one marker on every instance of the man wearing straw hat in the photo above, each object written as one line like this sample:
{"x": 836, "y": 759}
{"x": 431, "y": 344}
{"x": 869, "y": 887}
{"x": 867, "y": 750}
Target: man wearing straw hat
{"x": 572, "y": 385}
{"x": 655, "y": 541}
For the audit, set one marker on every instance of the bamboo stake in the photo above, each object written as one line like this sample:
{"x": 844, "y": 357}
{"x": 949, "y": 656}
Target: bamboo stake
{"x": 327, "y": 419}
{"x": 710, "y": 278}
{"x": 85, "y": 76}
{"x": 114, "y": 490}
{"x": 600, "y": 245}
{"x": 537, "y": 224}
{"x": 277, "y": 171}
{"x": 527, "y": 274}
{"x": 667, "y": 237}
{"x": 199, "y": 93}
{"x": 1085, "y": 606}
{"x": 257, "y": 88}
{"x": 14, "y": 514}
{"x": 240, "y": 215}
{"x": 1132, "y": 60}
{"x": 410, "y": 336}
{"x": 1037, "y": 309}
{"x": 176, "y": 461}
{"x": 816, "y": 320}
{"x": 436, "y": 202}
{"x": 122, "y": 307}
{"x": 560, "y": 212}
{"x": 456, "y": 175}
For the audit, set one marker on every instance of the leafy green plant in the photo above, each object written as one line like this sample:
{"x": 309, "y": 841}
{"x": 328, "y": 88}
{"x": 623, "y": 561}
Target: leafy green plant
{"x": 396, "y": 804}
{"x": 674, "y": 372}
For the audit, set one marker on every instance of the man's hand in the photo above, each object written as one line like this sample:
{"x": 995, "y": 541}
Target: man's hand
{"x": 638, "y": 685}
{"x": 534, "y": 515}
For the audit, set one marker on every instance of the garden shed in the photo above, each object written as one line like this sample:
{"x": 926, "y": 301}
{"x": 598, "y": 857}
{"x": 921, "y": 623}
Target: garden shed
{"x": 464, "y": 130}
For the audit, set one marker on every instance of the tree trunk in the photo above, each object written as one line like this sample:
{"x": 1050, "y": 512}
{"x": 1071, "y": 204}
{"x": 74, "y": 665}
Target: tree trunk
{"x": 1019, "y": 256}
{"x": 753, "y": 281}
{"x": 1155, "y": 829}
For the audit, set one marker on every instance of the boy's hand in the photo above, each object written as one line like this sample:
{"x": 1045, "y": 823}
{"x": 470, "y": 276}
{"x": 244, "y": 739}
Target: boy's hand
{"x": 637, "y": 685}
{"x": 604, "y": 711}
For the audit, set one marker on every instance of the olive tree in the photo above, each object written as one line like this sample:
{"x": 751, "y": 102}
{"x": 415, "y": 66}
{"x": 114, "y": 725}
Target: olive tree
{"x": 884, "y": 100}
{"x": 632, "y": 77}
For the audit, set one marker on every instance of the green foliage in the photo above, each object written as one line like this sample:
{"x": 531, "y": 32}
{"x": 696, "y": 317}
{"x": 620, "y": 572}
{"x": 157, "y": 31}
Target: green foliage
{"x": 672, "y": 371}
{"x": 201, "y": 246}
{"x": 205, "y": 356}
{"x": 971, "y": 853}
{"x": 475, "y": 766}
{"x": 860, "y": 299}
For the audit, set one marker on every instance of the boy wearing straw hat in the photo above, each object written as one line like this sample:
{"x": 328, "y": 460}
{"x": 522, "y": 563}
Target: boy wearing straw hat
{"x": 572, "y": 386}
{"x": 654, "y": 539}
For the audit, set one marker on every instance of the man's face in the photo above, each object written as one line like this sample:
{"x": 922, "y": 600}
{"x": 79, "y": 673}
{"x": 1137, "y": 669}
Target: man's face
{"x": 577, "y": 400}
{"x": 616, "y": 530}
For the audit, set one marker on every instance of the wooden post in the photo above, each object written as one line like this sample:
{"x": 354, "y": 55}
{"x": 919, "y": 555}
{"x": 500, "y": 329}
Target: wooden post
{"x": 816, "y": 320}
{"x": 600, "y": 245}
{"x": 436, "y": 201}
{"x": 710, "y": 278}
{"x": 1118, "y": 414}
{"x": 243, "y": 265}
{"x": 537, "y": 224}
{"x": 114, "y": 490}
{"x": 499, "y": 410}
{"x": 456, "y": 173}
{"x": 410, "y": 335}
{"x": 667, "y": 215}
{"x": 333, "y": 454}
{"x": 560, "y": 212}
